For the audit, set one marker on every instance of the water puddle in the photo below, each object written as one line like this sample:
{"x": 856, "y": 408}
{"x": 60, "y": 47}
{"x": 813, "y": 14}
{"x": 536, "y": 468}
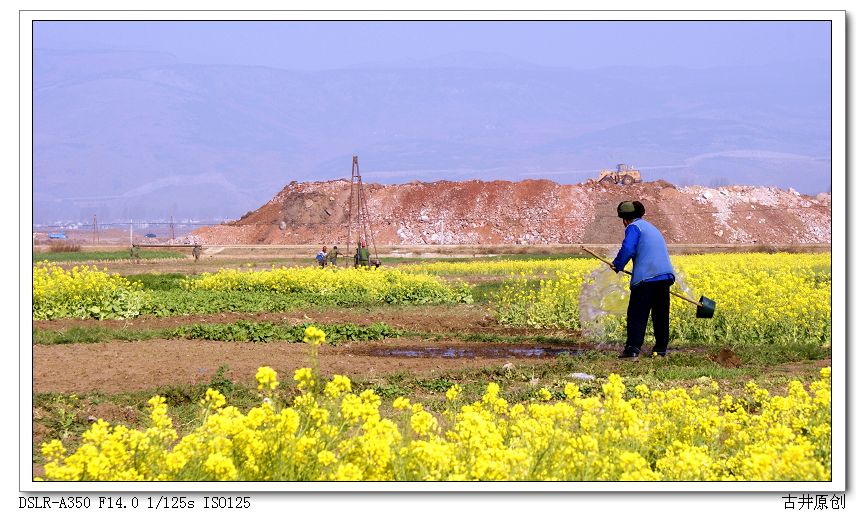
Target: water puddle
{"x": 474, "y": 352}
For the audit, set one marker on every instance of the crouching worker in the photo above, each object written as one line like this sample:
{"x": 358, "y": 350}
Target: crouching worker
{"x": 361, "y": 256}
{"x": 651, "y": 280}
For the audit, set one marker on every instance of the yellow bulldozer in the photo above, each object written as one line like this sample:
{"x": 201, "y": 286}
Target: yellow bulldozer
{"x": 621, "y": 175}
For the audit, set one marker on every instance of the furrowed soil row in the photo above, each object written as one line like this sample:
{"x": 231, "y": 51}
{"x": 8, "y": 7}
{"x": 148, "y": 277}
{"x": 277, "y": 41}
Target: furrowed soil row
{"x": 146, "y": 365}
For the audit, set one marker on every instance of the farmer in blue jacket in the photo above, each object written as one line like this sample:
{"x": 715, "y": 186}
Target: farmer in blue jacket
{"x": 651, "y": 280}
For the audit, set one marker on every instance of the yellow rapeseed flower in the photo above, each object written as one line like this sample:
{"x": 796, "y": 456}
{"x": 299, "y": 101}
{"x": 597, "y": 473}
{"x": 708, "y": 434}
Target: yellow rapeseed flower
{"x": 266, "y": 378}
{"x": 213, "y": 399}
{"x": 401, "y": 403}
{"x": 337, "y": 386}
{"x": 454, "y": 392}
{"x": 304, "y": 378}
{"x": 669, "y": 434}
{"x": 313, "y": 335}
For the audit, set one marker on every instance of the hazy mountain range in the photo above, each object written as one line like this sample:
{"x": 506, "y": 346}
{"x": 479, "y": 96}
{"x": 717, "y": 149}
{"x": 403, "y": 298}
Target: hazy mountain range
{"x": 138, "y": 135}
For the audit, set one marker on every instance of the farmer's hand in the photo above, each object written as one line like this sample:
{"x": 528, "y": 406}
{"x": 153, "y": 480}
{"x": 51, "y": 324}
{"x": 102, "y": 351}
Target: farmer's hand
{"x": 613, "y": 268}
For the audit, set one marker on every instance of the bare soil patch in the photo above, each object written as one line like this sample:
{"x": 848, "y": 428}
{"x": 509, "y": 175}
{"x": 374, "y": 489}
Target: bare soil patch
{"x": 727, "y": 358}
{"x": 800, "y": 366}
{"x": 147, "y": 365}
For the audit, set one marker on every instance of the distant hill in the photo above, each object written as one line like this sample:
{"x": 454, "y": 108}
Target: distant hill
{"x": 140, "y": 135}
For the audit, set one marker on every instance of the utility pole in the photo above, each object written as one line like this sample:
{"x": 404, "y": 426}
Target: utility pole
{"x": 95, "y": 231}
{"x": 130, "y": 232}
{"x": 171, "y": 227}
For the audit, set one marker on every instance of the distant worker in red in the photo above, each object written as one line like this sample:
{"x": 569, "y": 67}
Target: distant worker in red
{"x": 650, "y": 282}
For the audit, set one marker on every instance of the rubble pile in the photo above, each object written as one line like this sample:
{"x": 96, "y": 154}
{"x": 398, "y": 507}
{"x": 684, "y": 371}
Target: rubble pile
{"x": 529, "y": 212}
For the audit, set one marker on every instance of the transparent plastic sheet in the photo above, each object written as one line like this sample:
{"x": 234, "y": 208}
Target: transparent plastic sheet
{"x": 603, "y": 299}
{"x": 604, "y": 303}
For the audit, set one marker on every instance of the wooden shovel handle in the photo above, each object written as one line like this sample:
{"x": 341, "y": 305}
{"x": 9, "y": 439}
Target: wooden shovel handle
{"x": 630, "y": 274}
{"x": 692, "y": 301}
{"x": 596, "y": 255}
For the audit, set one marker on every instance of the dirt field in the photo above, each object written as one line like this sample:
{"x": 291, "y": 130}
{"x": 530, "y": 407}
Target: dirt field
{"x": 146, "y": 365}
{"x": 129, "y": 366}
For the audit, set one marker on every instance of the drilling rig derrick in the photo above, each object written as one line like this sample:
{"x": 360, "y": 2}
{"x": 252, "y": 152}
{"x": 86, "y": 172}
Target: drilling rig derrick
{"x": 360, "y": 235}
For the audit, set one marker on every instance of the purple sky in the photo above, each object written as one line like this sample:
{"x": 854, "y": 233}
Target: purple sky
{"x": 337, "y": 44}
{"x": 246, "y": 107}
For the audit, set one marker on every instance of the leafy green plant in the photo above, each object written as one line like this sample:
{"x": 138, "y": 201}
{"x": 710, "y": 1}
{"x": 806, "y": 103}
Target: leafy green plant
{"x": 94, "y": 335}
{"x": 174, "y": 302}
{"x": 439, "y": 385}
{"x": 222, "y": 383}
{"x": 244, "y": 330}
{"x": 154, "y": 281}
{"x": 389, "y": 391}
{"x": 63, "y": 415}
{"x": 80, "y": 256}
{"x": 72, "y": 335}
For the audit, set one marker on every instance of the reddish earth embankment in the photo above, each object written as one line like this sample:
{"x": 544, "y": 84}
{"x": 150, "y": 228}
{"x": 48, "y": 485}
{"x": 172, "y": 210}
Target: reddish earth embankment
{"x": 530, "y": 212}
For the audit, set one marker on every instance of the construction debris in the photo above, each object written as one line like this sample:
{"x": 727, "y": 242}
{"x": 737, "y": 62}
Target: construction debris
{"x": 531, "y": 212}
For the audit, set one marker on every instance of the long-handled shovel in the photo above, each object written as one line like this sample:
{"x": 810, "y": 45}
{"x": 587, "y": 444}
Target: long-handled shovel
{"x": 705, "y": 308}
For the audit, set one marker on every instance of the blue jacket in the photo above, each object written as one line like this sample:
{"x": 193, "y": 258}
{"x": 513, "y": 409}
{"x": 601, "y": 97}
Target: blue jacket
{"x": 645, "y": 244}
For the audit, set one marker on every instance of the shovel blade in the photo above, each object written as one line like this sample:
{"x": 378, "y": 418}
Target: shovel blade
{"x": 706, "y": 309}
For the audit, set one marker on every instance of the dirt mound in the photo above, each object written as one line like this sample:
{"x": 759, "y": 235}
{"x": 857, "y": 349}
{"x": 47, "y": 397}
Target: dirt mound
{"x": 530, "y": 212}
{"x": 727, "y": 358}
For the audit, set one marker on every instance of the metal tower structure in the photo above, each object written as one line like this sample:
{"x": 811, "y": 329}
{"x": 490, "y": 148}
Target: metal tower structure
{"x": 358, "y": 215}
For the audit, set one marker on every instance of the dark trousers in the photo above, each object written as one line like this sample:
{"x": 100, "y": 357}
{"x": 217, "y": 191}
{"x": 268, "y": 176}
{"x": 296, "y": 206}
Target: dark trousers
{"x": 653, "y": 297}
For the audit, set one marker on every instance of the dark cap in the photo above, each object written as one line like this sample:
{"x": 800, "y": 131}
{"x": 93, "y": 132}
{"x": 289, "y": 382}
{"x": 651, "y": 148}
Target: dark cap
{"x": 630, "y": 210}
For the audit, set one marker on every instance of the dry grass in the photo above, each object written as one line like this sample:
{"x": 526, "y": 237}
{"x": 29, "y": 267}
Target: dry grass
{"x": 64, "y": 247}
